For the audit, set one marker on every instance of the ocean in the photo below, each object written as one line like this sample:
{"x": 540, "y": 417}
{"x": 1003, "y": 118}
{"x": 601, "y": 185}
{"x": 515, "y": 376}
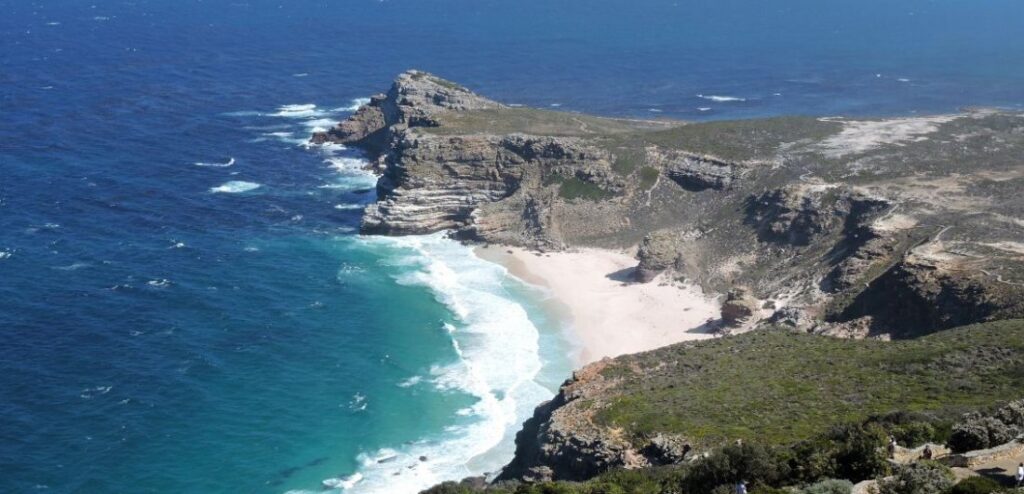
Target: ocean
{"x": 185, "y": 304}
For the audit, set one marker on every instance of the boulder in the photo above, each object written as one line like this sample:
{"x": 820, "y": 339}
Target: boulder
{"x": 739, "y": 307}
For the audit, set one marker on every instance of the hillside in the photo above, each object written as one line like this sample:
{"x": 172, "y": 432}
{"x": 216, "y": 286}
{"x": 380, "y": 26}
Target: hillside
{"x": 768, "y": 386}
{"x": 850, "y": 227}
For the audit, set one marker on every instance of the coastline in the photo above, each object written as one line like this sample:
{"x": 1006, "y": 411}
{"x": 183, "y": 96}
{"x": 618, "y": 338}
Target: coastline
{"x": 609, "y": 314}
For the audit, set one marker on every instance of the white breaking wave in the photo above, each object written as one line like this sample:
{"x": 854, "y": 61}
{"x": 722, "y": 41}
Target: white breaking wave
{"x": 498, "y": 359}
{"x": 356, "y": 103}
{"x": 235, "y": 187}
{"x": 320, "y": 124}
{"x": 215, "y": 164}
{"x": 305, "y": 110}
{"x": 345, "y": 483}
{"x": 412, "y": 381}
{"x": 704, "y": 108}
{"x": 720, "y": 99}
{"x": 352, "y": 173}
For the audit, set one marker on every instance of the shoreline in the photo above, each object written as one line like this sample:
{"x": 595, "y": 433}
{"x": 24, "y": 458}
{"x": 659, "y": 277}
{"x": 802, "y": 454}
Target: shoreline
{"x": 608, "y": 313}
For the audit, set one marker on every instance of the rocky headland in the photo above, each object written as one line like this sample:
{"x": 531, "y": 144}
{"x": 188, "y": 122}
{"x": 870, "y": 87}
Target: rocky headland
{"x": 858, "y": 228}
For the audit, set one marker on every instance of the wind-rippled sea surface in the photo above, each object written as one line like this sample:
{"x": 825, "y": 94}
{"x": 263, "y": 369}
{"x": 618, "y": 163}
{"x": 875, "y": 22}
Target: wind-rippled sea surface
{"x": 184, "y": 304}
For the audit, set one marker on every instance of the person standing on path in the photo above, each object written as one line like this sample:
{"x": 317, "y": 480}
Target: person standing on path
{"x": 1020, "y": 474}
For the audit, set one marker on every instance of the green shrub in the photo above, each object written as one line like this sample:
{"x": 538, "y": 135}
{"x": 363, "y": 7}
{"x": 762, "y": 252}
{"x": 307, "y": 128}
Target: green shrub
{"x": 646, "y": 481}
{"x": 975, "y": 431}
{"x": 829, "y": 486}
{"x": 575, "y": 188}
{"x": 859, "y": 451}
{"x": 913, "y": 434}
{"x": 976, "y": 485}
{"x": 648, "y": 177}
{"x": 919, "y": 478}
{"x": 1012, "y": 413}
{"x": 757, "y": 465}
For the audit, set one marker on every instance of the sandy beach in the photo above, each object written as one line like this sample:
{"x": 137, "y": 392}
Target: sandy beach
{"x": 610, "y": 314}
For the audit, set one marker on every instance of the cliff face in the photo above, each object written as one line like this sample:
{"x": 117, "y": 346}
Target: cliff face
{"x": 848, "y": 228}
{"x": 823, "y": 223}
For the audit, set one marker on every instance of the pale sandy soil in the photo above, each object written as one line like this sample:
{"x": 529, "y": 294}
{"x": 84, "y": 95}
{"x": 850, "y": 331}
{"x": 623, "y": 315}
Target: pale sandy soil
{"x": 610, "y": 314}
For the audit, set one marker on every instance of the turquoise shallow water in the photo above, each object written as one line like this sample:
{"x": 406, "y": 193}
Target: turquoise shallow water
{"x": 184, "y": 306}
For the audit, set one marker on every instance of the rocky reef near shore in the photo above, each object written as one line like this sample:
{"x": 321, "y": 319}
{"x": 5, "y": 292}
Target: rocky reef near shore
{"x": 857, "y": 228}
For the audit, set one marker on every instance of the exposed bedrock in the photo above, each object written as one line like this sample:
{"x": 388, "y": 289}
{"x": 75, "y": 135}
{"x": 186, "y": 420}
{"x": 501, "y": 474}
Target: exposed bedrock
{"x": 562, "y": 442}
{"x": 413, "y": 101}
{"x": 437, "y": 182}
{"x": 695, "y": 172}
{"x": 798, "y": 214}
{"x": 658, "y": 252}
{"x": 919, "y": 296}
{"x": 757, "y": 204}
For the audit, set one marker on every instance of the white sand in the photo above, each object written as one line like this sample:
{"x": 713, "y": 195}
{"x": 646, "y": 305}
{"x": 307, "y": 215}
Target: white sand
{"x": 610, "y": 314}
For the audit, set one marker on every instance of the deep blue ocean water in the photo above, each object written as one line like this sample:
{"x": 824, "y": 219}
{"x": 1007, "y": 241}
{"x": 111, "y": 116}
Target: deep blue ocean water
{"x": 184, "y": 306}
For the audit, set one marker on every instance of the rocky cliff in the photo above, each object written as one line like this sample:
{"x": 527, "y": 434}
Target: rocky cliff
{"x": 851, "y": 228}
{"x": 824, "y": 219}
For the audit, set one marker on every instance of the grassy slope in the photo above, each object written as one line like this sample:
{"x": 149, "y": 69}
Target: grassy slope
{"x": 780, "y": 387}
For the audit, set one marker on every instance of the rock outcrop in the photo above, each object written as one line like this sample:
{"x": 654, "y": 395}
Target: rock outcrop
{"x": 832, "y": 235}
{"x": 696, "y": 173}
{"x": 414, "y": 100}
{"x": 561, "y": 440}
{"x": 739, "y": 307}
{"x": 658, "y": 252}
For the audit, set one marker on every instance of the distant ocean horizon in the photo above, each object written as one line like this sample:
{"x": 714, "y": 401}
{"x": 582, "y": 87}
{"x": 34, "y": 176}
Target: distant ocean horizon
{"x": 185, "y": 304}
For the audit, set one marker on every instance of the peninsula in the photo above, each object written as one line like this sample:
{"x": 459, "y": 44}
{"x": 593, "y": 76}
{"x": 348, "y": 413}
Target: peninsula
{"x": 807, "y": 242}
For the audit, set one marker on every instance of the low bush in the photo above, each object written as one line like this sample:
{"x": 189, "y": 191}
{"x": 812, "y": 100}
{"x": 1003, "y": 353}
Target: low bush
{"x": 829, "y": 486}
{"x": 975, "y": 431}
{"x": 918, "y": 478}
{"x": 976, "y": 485}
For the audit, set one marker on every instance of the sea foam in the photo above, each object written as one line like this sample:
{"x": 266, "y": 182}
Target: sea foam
{"x": 216, "y": 164}
{"x": 235, "y": 187}
{"x": 720, "y": 99}
{"x": 497, "y": 349}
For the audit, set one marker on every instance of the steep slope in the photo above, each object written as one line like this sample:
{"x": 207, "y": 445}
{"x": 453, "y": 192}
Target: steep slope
{"x": 845, "y": 227}
{"x": 770, "y": 387}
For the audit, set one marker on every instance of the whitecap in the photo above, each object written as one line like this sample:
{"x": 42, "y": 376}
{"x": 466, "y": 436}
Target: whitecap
{"x": 354, "y": 105}
{"x": 6, "y": 254}
{"x": 704, "y": 108}
{"x": 720, "y": 99}
{"x": 345, "y": 483}
{"x": 90, "y": 393}
{"x": 345, "y": 207}
{"x": 654, "y": 110}
{"x": 73, "y": 266}
{"x": 555, "y": 105}
{"x": 216, "y": 164}
{"x": 319, "y": 124}
{"x": 177, "y": 245}
{"x": 243, "y": 113}
{"x": 495, "y": 348}
{"x": 903, "y": 79}
{"x": 410, "y": 382}
{"x": 300, "y": 74}
{"x": 287, "y": 137}
{"x": 160, "y": 283}
{"x": 297, "y": 111}
{"x": 235, "y": 187}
